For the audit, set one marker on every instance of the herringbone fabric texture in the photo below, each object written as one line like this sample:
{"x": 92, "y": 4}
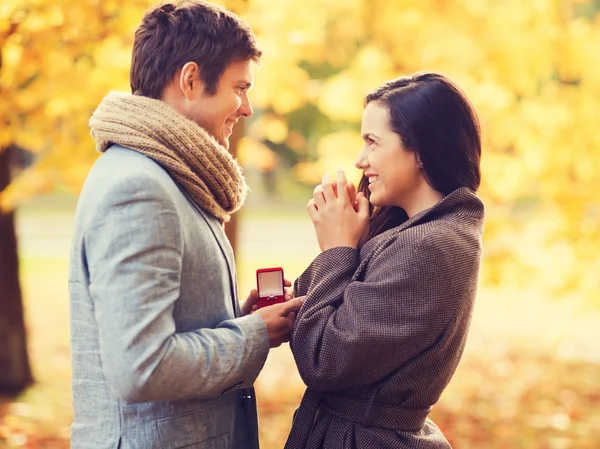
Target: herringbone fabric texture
{"x": 382, "y": 330}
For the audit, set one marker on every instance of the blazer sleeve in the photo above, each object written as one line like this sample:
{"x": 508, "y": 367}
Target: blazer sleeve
{"x": 352, "y": 333}
{"x": 134, "y": 249}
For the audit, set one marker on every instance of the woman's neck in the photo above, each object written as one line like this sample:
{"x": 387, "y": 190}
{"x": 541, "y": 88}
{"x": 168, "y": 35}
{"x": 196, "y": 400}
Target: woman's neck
{"x": 423, "y": 198}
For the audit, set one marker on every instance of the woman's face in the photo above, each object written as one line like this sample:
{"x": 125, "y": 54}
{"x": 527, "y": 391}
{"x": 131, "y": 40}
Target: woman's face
{"x": 395, "y": 178}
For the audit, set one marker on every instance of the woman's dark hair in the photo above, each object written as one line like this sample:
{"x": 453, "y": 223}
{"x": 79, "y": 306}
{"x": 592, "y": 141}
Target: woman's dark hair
{"x": 176, "y": 32}
{"x": 436, "y": 121}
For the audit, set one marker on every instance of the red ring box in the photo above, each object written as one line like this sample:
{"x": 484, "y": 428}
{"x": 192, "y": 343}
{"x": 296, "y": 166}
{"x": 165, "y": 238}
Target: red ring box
{"x": 269, "y": 283}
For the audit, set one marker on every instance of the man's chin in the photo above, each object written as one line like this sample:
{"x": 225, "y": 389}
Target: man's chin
{"x": 223, "y": 141}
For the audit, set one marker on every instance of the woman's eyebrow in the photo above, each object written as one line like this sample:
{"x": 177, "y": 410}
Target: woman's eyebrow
{"x": 370, "y": 135}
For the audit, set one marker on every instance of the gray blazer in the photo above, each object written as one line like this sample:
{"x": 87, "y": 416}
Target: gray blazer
{"x": 159, "y": 358}
{"x": 382, "y": 330}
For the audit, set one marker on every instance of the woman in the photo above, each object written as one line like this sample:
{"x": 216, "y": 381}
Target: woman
{"x": 388, "y": 301}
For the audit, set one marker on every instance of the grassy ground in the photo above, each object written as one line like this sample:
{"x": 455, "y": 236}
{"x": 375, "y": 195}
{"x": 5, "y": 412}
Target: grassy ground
{"x": 529, "y": 377}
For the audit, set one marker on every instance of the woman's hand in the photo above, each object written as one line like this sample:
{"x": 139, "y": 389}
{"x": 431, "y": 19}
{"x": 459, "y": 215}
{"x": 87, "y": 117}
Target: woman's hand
{"x": 339, "y": 220}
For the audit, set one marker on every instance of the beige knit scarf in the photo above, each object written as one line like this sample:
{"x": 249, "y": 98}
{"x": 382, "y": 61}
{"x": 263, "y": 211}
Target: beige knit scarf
{"x": 205, "y": 170}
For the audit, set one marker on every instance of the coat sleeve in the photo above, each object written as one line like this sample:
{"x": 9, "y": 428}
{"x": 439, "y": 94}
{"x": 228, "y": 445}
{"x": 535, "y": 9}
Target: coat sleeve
{"x": 355, "y": 333}
{"x": 134, "y": 253}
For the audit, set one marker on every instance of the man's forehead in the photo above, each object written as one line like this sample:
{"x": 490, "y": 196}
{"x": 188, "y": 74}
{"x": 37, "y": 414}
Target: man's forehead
{"x": 240, "y": 72}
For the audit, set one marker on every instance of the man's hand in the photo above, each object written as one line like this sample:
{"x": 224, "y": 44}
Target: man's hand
{"x": 288, "y": 292}
{"x": 250, "y": 305}
{"x": 280, "y": 319}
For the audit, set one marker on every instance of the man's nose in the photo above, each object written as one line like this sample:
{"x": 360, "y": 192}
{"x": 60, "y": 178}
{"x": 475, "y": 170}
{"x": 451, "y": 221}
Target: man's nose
{"x": 246, "y": 108}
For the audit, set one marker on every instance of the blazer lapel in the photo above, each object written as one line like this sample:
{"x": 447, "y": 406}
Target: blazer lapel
{"x": 226, "y": 250}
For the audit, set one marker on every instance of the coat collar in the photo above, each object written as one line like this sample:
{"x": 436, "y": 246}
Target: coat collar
{"x": 461, "y": 203}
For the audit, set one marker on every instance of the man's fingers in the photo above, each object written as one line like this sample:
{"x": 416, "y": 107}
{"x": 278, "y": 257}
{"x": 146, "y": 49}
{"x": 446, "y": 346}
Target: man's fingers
{"x": 292, "y": 317}
{"x": 292, "y": 305}
{"x": 289, "y": 293}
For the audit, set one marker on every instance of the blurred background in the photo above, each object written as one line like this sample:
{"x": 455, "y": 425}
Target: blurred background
{"x": 531, "y": 372}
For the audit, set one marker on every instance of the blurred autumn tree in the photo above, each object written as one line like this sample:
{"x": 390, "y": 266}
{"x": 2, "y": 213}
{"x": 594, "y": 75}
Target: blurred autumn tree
{"x": 531, "y": 68}
{"x": 57, "y": 59}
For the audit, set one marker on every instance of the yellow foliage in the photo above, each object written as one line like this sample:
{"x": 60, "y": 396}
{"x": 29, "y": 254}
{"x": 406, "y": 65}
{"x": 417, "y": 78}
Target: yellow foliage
{"x": 269, "y": 126}
{"x": 342, "y": 98}
{"x": 291, "y": 85}
{"x": 6, "y": 137}
{"x": 335, "y": 150}
{"x": 296, "y": 141}
{"x": 531, "y": 69}
{"x": 276, "y": 130}
{"x": 113, "y": 54}
{"x": 252, "y": 153}
{"x": 31, "y": 182}
{"x": 34, "y": 142}
{"x": 11, "y": 54}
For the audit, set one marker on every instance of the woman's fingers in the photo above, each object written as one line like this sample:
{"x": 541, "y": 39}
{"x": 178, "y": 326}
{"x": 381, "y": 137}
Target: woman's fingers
{"x": 362, "y": 205}
{"x": 352, "y": 195}
{"x": 329, "y": 191}
{"x": 327, "y": 186}
{"x": 312, "y": 209}
{"x": 318, "y": 197}
{"x": 342, "y": 187}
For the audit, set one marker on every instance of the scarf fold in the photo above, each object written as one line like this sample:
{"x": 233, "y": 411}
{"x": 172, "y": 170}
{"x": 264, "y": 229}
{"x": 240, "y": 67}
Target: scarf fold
{"x": 203, "y": 168}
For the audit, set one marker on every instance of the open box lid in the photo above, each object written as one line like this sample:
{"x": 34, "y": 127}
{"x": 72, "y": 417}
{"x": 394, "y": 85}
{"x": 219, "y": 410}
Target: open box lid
{"x": 269, "y": 282}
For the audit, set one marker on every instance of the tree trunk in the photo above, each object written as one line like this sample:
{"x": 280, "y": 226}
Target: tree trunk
{"x": 231, "y": 227}
{"x": 15, "y": 373}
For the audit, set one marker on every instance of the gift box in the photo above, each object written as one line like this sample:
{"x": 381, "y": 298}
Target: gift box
{"x": 269, "y": 283}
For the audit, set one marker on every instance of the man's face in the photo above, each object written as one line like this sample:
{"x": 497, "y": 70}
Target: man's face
{"x": 218, "y": 113}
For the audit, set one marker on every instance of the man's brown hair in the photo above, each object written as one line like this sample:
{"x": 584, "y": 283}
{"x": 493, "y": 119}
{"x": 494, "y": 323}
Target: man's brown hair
{"x": 174, "y": 33}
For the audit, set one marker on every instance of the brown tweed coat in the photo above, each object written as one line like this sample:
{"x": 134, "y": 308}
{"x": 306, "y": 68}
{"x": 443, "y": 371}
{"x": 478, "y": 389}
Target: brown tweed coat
{"x": 382, "y": 331}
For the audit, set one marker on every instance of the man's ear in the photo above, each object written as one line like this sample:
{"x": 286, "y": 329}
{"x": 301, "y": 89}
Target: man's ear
{"x": 189, "y": 81}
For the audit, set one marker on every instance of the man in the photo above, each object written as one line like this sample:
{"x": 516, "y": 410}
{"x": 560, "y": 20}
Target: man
{"x": 163, "y": 357}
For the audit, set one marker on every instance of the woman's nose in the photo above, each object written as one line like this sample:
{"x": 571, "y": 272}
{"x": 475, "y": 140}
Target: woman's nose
{"x": 361, "y": 160}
